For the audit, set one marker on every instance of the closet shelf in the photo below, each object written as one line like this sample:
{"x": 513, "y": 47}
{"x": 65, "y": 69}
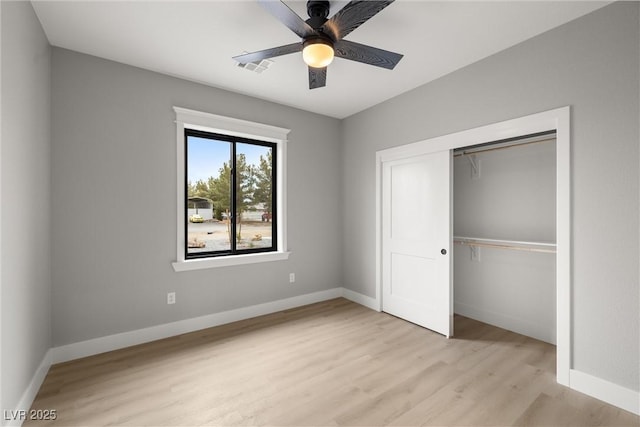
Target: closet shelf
{"x": 506, "y": 244}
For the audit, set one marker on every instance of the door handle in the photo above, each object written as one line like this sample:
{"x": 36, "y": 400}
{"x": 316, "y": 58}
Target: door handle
{"x": 443, "y": 251}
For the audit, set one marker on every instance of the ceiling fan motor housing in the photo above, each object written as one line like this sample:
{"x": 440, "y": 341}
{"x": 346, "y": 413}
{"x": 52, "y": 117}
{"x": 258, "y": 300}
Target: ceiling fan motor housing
{"x": 320, "y": 38}
{"x": 318, "y": 11}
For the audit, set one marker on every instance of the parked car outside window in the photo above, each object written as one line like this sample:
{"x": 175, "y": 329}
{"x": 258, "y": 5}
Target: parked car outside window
{"x": 196, "y": 218}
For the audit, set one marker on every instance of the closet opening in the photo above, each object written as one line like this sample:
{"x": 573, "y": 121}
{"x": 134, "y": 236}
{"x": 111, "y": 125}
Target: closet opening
{"x": 433, "y": 282}
{"x": 504, "y": 234}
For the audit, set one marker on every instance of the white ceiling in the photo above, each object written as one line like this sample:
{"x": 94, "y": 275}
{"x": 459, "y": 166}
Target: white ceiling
{"x": 196, "y": 41}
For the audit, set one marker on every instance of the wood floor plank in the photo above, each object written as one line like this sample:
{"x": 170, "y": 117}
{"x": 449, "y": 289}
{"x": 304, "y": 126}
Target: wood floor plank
{"x": 334, "y": 363}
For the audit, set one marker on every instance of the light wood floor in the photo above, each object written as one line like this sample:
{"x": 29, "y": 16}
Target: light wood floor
{"x": 332, "y": 363}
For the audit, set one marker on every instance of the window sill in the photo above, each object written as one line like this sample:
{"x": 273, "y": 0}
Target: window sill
{"x": 200, "y": 264}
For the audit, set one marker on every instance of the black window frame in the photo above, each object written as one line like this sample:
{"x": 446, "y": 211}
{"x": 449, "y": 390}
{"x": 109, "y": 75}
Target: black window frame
{"x": 233, "y": 140}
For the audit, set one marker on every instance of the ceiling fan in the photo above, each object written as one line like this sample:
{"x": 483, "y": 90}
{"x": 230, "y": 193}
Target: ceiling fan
{"x": 323, "y": 38}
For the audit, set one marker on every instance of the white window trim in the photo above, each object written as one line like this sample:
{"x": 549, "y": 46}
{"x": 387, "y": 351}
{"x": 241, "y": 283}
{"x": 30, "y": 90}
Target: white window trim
{"x": 191, "y": 119}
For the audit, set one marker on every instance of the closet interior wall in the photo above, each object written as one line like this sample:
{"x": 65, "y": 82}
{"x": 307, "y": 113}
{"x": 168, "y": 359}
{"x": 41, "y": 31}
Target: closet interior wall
{"x": 505, "y": 203}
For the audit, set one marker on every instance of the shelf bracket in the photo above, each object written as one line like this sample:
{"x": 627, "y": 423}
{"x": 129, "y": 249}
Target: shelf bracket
{"x": 475, "y": 166}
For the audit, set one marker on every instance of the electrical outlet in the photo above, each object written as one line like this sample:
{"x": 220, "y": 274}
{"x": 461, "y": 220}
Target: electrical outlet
{"x": 171, "y": 298}
{"x": 292, "y": 277}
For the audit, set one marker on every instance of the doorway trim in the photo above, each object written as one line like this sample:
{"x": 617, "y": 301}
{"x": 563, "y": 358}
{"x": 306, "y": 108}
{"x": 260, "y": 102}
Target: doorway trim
{"x": 559, "y": 120}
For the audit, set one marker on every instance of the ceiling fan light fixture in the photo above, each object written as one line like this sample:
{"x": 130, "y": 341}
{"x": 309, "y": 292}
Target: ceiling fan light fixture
{"x": 323, "y": 38}
{"x": 317, "y": 52}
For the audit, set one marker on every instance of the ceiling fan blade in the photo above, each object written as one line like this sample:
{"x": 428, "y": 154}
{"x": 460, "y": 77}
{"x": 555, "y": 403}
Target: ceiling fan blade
{"x": 354, "y": 14}
{"x": 366, "y": 54}
{"x": 288, "y": 17}
{"x": 268, "y": 53}
{"x": 317, "y": 77}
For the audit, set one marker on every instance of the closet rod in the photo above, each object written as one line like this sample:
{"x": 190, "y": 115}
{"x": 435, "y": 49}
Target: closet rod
{"x": 549, "y": 248}
{"x": 503, "y": 147}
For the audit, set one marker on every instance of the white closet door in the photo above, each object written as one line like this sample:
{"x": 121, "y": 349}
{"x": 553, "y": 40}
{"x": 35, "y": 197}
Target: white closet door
{"x": 416, "y": 239}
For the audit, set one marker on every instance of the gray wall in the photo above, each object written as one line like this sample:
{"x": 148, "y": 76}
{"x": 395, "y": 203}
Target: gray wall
{"x": 514, "y": 198}
{"x": 590, "y": 64}
{"x": 114, "y": 149}
{"x": 25, "y": 282}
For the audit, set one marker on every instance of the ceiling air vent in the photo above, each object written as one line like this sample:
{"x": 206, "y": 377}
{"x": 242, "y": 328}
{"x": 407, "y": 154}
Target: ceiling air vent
{"x": 256, "y": 67}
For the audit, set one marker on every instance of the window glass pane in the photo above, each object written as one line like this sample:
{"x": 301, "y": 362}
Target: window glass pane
{"x": 208, "y": 195}
{"x": 254, "y": 196}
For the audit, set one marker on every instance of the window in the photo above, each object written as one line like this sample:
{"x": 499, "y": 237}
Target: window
{"x": 231, "y": 198}
{"x": 231, "y": 192}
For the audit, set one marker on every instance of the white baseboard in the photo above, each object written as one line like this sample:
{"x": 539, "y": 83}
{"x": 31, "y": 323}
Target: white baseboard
{"x": 15, "y": 418}
{"x": 19, "y": 414}
{"x": 140, "y": 336}
{"x": 616, "y": 395}
{"x": 540, "y": 331}
{"x": 600, "y": 389}
{"x": 361, "y": 299}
